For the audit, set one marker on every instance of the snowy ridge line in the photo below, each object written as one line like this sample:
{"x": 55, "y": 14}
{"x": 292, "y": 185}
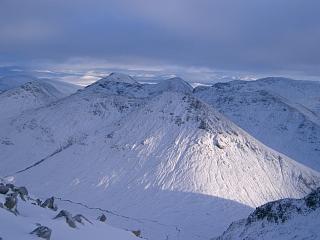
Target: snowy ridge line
{"x": 60, "y": 149}
{"x": 139, "y": 220}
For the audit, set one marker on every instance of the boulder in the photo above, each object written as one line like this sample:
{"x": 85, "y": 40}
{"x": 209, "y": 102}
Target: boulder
{"x": 49, "y": 203}
{"x": 102, "y": 218}
{"x": 68, "y": 217}
{"x": 42, "y": 232}
{"x": 137, "y": 233}
{"x": 22, "y": 191}
{"x": 38, "y": 201}
{"x": 3, "y": 189}
{"x": 11, "y": 202}
{"x": 81, "y": 219}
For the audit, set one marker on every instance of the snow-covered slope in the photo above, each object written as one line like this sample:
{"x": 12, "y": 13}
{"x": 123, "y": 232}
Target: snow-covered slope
{"x": 281, "y": 113}
{"x": 305, "y": 93}
{"x": 156, "y": 155}
{"x": 27, "y": 215}
{"x": 172, "y": 84}
{"x": 13, "y": 81}
{"x": 27, "y": 96}
{"x": 63, "y": 87}
{"x": 283, "y": 219}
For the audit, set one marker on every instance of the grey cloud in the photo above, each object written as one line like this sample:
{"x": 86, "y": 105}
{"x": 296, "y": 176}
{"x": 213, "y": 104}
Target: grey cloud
{"x": 248, "y": 35}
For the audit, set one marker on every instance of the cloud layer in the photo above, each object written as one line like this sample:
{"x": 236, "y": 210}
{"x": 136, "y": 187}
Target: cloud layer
{"x": 245, "y": 35}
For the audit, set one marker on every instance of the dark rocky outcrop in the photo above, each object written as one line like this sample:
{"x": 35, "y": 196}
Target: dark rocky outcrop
{"x": 313, "y": 199}
{"x": 68, "y": 217}
{"x": 49, "y": 203}
{"x": 81, "y": 219}
{"x": 11, "y": 202}
{"x": 42, "y": 232}
{"x": 11, "y": 186}
{"x": 102, "y": 218}
{"x": 22, "y": 191}
{"x": 137, "y": 233}
{"x": 281, "y": 210}
{"x": 3, "y": 189}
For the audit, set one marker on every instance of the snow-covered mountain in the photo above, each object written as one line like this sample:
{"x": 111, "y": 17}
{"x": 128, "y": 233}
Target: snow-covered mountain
{"x": 281, "y": 113}
{"x": 27, "y": 96}
{"x": 15, "y": 80}
{"x": 23, "y": 216}
{"x": 305, "y": 93}
{"x": 12, "y": 81}
{"x": 283, "y": 219}
{"x": 154, "y": 153}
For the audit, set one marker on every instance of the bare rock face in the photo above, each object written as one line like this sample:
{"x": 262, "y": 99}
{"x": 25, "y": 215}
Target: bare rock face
{"x": 68, "y": 217}
{"x": 42, "y": 232}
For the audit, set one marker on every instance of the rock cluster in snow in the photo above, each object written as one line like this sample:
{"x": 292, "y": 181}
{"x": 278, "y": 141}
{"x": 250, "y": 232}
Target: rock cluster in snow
{"x": 13, "y": 198}
{"x": 282, "y": 219}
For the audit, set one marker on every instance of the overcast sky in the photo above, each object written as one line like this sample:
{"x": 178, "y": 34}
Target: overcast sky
{"x": 254, "y": 36}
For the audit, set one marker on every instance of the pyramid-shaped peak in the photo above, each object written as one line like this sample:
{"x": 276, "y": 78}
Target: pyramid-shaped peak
{"x": 175, "y": 84}
{"x": 120, "y": 77}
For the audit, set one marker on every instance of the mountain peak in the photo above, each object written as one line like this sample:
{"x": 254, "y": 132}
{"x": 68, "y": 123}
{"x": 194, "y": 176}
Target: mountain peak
{"x": 175, "y": 84}
{"x": 119, "y": 77}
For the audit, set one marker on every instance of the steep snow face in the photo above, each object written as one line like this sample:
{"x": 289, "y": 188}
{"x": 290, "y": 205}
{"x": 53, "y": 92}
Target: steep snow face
{"x": 30, "y": 214}
{"x": 27, "y": 96}
{"x": 282, "y": 219}
{"x": 279, "y": 122}
{"x": 171, "y": 159}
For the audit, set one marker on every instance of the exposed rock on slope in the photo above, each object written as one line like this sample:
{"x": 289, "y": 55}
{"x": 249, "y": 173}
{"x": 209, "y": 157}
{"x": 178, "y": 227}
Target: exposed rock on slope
{"x": 282, "y": 219}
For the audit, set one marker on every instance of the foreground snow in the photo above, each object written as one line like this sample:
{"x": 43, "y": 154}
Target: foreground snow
{"x": 30, "y": 215}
